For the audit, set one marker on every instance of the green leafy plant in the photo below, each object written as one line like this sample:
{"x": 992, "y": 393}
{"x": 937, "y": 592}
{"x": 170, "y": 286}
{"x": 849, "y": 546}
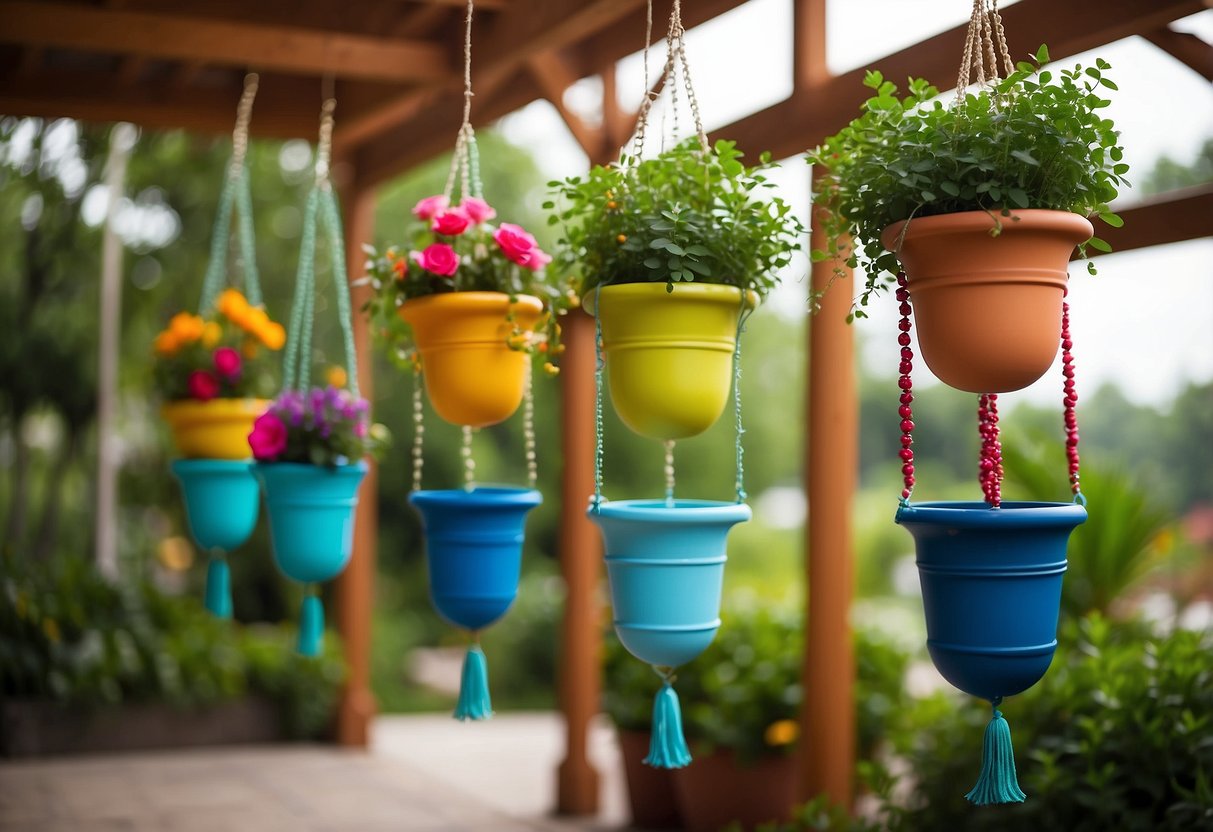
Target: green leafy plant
{"x": 1037, "y": 139}
{"x": 684, "y": 215}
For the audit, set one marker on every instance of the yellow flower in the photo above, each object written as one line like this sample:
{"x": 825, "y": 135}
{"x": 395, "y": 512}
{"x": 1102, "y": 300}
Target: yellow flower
{"x": 50, "y": 628}
{"x": 211, "y": 333}
{"x": 551, "y": 369}
{"x": 781, "y": 732}
{"x": 272, "y": 335}
{"x": 336, "y": 377}
{"x": 232, "y": 305}
{"x": 166, "y": 343}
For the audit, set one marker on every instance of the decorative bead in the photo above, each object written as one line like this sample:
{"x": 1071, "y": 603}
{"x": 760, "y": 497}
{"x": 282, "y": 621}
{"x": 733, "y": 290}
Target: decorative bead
{"x": 908, "y": 469}
{"x": 907, "y": 425}
{"x": 906, "y": 454}
{"x": 905, "y": 411}
{"x": 907, "y": 440}
{"x": 905, "y": 383}
{"x": 904, "y": 339}
{"x": 907, "y": 397}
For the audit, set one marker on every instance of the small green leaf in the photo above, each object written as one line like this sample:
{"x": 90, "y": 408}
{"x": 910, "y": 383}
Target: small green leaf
{"x": 1099, "y": 245}
{"x": 1042, "y": 54}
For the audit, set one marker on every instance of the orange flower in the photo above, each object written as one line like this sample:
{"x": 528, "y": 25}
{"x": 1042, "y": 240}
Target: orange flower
{"x": 211, "y": 334}
{"x": 166, "y": 343}
{"x": 782, "y": 732}
{"x": 255, "y": 320}
{"x": 336, "y": 377}
{"x": 272, "y": 335}
{"x": 186, "y": 328}
{"x": 232, "y": 305}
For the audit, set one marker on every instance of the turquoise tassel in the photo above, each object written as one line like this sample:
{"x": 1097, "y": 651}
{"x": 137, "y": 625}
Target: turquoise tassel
{"x": 667, "y": 745}
{"x": 311, "y": 627}
{"x": 219, "y": 588}
{"x": 474, "y": 702}
{"x": 997, "y": 783}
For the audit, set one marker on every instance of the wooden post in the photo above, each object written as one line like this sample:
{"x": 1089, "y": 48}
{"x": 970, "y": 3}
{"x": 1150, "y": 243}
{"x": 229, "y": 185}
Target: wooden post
{"x": 827, "y": 745}
{"x": 356, "y": 586}
{"x": 580, "y": 564}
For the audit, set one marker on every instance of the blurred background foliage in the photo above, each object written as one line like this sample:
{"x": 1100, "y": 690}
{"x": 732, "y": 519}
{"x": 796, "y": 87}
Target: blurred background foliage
{"x": 1144, "y": 551}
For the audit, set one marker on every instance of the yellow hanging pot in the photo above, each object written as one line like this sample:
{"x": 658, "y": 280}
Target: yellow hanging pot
{"x": 669, "y": 355}
{"x": 214, "y": 429}
{"x": 471, "y": 375}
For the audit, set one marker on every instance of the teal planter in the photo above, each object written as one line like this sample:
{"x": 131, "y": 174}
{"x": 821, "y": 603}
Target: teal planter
{"x": 991, "y": 588}
{"x": 665, "y": 565}
{"x": 473, "y": 542}
{"x": 221, "y": 500}
{"x": 311, "y": 511}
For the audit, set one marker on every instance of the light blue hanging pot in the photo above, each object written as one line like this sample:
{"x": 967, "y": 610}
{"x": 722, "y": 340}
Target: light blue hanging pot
{"x": 221, "y": 504}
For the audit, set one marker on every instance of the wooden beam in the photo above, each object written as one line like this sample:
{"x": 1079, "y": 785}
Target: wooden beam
{"x": 178, "y": 37}
{"x": 809, "y": 68}
{"x": 1185, "y": 47}
{"x": 130, "y": 68}
{"x": 553, "y": 77}
{"x": 802, "y": 121}
{"x": 543, "y": 25}
{"x": 1186, "y": 214}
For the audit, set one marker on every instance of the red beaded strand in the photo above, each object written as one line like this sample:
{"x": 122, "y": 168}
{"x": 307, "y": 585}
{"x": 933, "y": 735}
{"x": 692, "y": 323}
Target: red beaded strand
{"x": 1071, "y": 398}
{"x": 907, "y": 389}
{"x": 990, "y": 468}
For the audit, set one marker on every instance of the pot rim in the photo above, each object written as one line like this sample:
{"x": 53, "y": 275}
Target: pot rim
{"x": 651, "y": 292}
{"x": 213, "y": 410}
{"x": 481, "y": 301}
{"x": 359, "y": 467}
{"x": 683, "y": 511}
{"x": 977, "y": 515}
{"x": 191, "y": 467}
{"x": 969, "y": 222}
{"x": 481, "y": 495}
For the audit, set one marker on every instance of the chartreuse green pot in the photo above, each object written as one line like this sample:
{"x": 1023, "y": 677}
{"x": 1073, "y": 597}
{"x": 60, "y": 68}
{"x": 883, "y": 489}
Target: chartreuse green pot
{"x": 311, "y": 511}
{"x": 669, "y": 355}
{"x": 221, "y": 500}
{"x": 473, "y": 542}
{"x": 991, "y": 588}
{"x": 665, "y": 563}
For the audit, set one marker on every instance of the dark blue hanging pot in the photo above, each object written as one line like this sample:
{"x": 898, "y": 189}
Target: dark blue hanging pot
{"x": 221, "y": 503}
{"x": 991, "y": 588}
{"x": 474, "y": 549}
{"x": 311, "y": 511}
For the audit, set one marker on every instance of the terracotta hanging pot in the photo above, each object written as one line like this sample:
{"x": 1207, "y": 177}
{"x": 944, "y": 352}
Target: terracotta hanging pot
{"x": 651, "y": 797}
{"x": 718, "y": 790}
{"x": 669, "y": 355}
{"x": 471, "y": 375}
{"x": 987, "y": 309}
{"x": 215, "y": 429}
{"x": 991, "y": 588}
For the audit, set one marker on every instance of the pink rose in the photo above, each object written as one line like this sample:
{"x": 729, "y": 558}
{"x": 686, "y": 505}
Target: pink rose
{"x": 477, "y": 209}
{"x": 268, "y": 438}
{"x": 203, "y": 386}
{"x": 516, "y": 244}
{"x": 539, "y": 259}
{"x": 227, "y": 363}
{"x": 451, "y": 223}
{"x": 438, "y": 258}
{"x": 429, "y": 207}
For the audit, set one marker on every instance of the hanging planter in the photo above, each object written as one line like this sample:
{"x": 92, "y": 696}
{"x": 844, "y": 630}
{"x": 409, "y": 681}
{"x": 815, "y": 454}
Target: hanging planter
{"x": 988, "y": 305}
{"x": 991, "y": 588}
{"x": 214, "y": 429}
{"x": 669, "y": 354}
{"x": 311, "y": 512}
{"x": 472, "y": 375}
{"x": 221, "y": 505}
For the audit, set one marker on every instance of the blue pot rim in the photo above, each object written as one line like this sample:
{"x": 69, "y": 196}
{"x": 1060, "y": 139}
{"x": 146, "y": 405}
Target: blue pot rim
{"x": 976, "y": 515}
{"x": 359, "y": 467}
{"x": 482, "y": 495}
{"x": 658, "y": 511}
{"x": 210, "y": 466}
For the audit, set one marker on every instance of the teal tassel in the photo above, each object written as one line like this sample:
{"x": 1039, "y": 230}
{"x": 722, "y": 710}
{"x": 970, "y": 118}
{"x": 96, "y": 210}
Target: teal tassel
{"x": 474, "y": 702}
{"x": 667, "y": 745}
{"x": 997, "y": 783}
{"x": 311, "y": 627}
{"x": 219, "y": 588}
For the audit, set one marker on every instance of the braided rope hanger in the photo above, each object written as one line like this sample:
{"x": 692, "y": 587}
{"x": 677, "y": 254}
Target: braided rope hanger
{"x": 980, "y": 61}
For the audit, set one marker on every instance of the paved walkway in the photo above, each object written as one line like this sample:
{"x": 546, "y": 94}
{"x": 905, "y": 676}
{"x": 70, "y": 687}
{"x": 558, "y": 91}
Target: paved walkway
{"x": 425, "y": 773}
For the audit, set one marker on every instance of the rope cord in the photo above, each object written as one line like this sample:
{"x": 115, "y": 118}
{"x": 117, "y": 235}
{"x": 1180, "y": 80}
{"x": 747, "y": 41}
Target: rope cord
{"x": 675, "y": 59}
{"x": 418, "y": 430}
{"x": 235, "y": 196}
{"x": 1069, "y": 401}
{"x": 985, "y": 44}
{"x": 598, "y": 365}
{"x": 528, "y": 427}
{"x": 742, "y": 317}
{"x": 906, "y": 383}
{"x": 669, "y": 471}
{"x": 469, "y": 462}
{"x": 465, "y": 161}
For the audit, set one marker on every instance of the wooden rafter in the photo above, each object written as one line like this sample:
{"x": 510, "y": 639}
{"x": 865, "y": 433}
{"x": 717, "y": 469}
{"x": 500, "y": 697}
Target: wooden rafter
{"x": 178, "y": 37}
{"x": 1185, "y": 47}
{"x": 1186, "y": 214}
{"x": 554, "y": 77}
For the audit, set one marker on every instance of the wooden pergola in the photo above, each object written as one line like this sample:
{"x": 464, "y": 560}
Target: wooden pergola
{"x": 394, "y": 65}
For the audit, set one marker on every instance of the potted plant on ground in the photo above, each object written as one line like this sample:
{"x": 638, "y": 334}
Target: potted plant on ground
{"x": 463, "y": 301}
{"x": 675, "y": 249}
{"x": 981, "y": 203}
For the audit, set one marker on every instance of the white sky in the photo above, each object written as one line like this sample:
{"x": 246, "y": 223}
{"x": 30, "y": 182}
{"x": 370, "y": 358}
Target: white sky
{"x": 1150, "y": 342}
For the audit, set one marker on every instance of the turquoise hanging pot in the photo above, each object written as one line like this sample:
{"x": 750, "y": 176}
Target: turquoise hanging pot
{"x": 311, "y": 511}
{"x": 474, "y": 550}
{"x": 991, "y": 588}
{"x": 221, "y": 503}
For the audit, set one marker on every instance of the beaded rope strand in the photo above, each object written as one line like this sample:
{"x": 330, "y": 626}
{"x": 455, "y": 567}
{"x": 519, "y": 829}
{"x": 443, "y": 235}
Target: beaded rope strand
{"x": 1069, "y": 401}
{"x": 905, "y": 411}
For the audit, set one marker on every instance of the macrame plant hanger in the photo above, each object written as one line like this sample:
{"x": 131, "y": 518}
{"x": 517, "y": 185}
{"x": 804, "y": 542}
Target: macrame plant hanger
{"x": 474, "y": 702}
{"x": 997, "y": 782}
{"x": 321, "y": 213}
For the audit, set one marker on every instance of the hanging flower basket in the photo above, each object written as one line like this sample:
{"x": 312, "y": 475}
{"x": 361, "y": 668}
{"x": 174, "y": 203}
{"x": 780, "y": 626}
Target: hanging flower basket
{"x": 215, "y": 429}
{"x": 311, "y": 511}
{"x": 472, "y": 375}
{"x": 991, "y": 588}
{"x": 474, "y": 550}
{"x": 669, "y": 355}
{"x": 988, "y": 306}
{"x": 665, "y": 565}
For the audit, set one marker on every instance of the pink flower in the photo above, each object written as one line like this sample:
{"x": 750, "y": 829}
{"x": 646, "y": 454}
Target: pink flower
{"x": 516, "y": 244}
{"x": 539, "y": 259}
{"x": 227, "y": 363}
{"x": 477, "y": 209}
{"x": 203, "y": 386}
{"x": 268, "y": 438}
{"x": 429, "y": 207}
{"x": 451, "y": 223}
{"x": 438, "y": 258}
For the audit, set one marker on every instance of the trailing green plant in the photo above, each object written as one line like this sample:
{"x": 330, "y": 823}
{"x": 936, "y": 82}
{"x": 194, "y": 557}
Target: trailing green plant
{"x": 684, "y": 215}
{"x": 69, "y": 636}
{"x": 1036, "y": 139}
